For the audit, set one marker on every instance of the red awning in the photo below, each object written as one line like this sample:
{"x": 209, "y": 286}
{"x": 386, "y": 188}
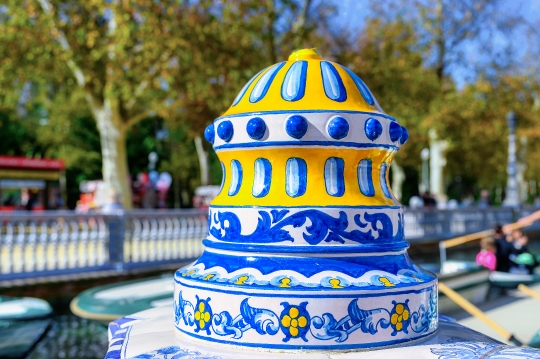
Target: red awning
{"x": 31, "y": 163}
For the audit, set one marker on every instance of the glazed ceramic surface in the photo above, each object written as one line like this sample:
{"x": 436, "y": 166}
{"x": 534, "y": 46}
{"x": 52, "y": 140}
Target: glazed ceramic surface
{"x": 150, "y": 335}
{"x": 305, "y": 246}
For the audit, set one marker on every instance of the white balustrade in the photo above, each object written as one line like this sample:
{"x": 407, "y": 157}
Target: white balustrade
{"x": 46, "y": 244}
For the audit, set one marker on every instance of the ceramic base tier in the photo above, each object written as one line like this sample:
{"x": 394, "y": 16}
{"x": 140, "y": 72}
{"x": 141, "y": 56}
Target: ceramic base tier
{"x": 290, "y": 303}
{"x": 149, "y": 334}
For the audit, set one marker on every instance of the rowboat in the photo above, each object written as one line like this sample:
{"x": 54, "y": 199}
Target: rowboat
{"x": 512, "y": 280}
{"x": 109, "y": 302}
{"x": 467, "y": 278}
{"x": 24, "y": 308}
{"x": 23, "y": 322}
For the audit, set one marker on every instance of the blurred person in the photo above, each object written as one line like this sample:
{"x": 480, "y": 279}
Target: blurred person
{"x": 429, "y": 200}
{"x": 523, "y": 261}
{"x": 443, "y": 202}
{"x": 453, "y": 204}
{"x": 113, "y": 205}
{"x": 416, "y": 202}
{"x": 504, "y": 248}
{"x": 467, "y": 201}
{"x": 484, "y": 202}
{"x": 536, "y": 203}
{"x": 32, "y": 200}
{"x": 487, "y": 255}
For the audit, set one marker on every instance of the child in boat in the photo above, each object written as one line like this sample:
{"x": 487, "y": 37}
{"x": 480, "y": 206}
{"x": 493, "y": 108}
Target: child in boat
{"x": 523, "y": 261}
{"x": 487, "y": 257}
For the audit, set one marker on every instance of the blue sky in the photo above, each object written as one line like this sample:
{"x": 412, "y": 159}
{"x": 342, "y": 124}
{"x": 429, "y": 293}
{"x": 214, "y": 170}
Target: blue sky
{"x": 352, "y": 14}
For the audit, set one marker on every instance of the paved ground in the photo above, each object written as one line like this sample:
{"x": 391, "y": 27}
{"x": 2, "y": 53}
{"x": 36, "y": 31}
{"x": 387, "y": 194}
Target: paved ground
{"x": 515, "y": 312}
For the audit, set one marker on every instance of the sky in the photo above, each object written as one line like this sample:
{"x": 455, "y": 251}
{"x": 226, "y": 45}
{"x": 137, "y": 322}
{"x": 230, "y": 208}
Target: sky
{"x": 352, "y": 14}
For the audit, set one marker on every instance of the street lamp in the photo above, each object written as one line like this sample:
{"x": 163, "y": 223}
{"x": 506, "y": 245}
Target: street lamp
{"x": 512, "y": 193}
{"x": 424, "y": 154}
{"x": 152, "y": 159}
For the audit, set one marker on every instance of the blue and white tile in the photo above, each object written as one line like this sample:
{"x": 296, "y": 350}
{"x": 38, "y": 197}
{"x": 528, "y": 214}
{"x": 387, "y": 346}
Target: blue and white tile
{"x": 301, "y": 226}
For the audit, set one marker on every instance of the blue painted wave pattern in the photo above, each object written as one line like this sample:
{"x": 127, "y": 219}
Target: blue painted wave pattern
{"x": 324, "y": 327}
{"x": 271, "y": 227}
{"x": 473, "y": 350}
{"x": 174, "y": 352}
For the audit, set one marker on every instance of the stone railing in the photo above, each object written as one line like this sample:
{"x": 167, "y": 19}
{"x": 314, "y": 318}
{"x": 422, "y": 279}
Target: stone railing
{"x": 56, "y": 244}
{"x": 60, "y": 245}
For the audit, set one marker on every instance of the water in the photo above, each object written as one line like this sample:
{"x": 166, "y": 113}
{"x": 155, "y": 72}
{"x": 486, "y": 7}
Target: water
{"x": 71, "y": 337}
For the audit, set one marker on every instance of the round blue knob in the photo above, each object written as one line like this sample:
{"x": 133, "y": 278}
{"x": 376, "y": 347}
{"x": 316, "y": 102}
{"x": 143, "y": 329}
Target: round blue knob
{"x": 395, "y": 131}
{"x": 373, "y": 129}
{"x": 404, "y": 135}
{"x": 256, "y": 128}
{"x": 338, "y": 128}
{"x": 296, "y": 126}
{"x": 209, "y": 133}
{"x": 225, "y": 131}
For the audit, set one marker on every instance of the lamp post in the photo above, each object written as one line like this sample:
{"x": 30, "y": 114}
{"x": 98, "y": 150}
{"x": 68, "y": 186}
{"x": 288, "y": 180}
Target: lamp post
{"x": 424, "y": 187}
{"x": 512, "y": 192}
{"x": 152, "y": 159}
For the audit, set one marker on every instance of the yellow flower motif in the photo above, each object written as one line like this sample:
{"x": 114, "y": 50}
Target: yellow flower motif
{"x": 401, "y": 315}
{"x": 293, "y": 321}
{"x": 202, "y": 316}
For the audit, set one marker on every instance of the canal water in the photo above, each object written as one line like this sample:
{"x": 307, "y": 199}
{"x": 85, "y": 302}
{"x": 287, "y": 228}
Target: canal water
{"x": 71, "y": 337}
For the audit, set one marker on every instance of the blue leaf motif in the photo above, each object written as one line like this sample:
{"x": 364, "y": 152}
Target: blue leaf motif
{"x": 263, "y": 320}
{"x": 278, "y": 215}
{"x": 368, "y": 321}
{"x": 223, "y": 324}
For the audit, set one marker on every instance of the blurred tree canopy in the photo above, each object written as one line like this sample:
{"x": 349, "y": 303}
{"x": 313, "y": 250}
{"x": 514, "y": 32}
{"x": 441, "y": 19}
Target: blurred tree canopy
{"x": 409, "y": 53}
{"x": 108, "y": 74}
{"x": 130, "y": 60}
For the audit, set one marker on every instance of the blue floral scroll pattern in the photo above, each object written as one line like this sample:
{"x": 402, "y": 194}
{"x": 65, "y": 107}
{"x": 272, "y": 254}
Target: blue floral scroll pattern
{"x": 295, "y": 321}
{"x": 263, "y": 321}
{"x": 174, "y": 352}
{"x": 323, "y": 227}
{"x": 473, "y": 350}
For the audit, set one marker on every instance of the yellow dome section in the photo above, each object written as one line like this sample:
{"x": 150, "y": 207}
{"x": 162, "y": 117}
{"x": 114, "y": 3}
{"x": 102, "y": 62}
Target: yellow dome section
{"x": 304, "y": 82}
{"x": 305, "y": 54}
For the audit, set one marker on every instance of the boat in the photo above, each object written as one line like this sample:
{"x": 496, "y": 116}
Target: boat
{"x": 112, "y": 301}
{"x": 23, "y": 322}
{"x": 23, "y": 308}
{"x": 467, "y": 278}
{"x": 512, "y": 280}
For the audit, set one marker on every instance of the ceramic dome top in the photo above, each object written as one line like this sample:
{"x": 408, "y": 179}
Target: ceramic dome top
{"x": 305, "y": 246}
{"x": 305, "y": 81}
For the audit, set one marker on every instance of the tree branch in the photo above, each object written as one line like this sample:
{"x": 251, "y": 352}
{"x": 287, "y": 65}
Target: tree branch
{"x": 64, "y": 44}
{"x": 144, "y": 83}
{"x": 111, "y": 46}
{"x": 141, "y": 116}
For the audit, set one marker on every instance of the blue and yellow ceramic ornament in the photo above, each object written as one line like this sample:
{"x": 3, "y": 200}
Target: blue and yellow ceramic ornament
{"x": 305, "y": 248}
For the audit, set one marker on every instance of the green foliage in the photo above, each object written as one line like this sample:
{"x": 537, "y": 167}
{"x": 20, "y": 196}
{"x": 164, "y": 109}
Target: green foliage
{"x": 180, "y": 64}
{"x": 17, "y": 137}
{"x": 385, "y": 58}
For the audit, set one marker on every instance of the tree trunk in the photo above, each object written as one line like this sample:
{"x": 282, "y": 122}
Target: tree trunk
{"x": 203, "y": 161}
{"x": 113, "y": 151}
